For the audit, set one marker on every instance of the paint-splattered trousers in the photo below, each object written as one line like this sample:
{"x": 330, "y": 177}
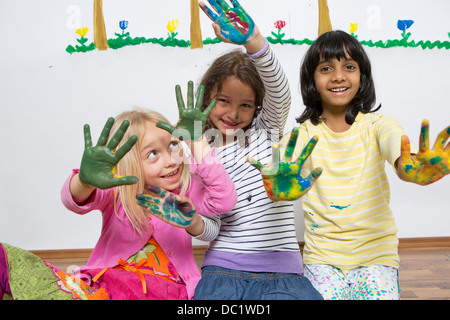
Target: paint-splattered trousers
{"x": 375, "y": 282}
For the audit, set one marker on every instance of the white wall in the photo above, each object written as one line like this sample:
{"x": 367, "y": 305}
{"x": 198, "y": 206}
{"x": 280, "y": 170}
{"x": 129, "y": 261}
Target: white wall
{"x": 46, "y": 95}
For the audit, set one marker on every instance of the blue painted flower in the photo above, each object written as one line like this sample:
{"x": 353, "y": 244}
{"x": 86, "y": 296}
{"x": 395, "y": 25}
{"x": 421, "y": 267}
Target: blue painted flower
{"x": 404, "y": 24}
{"x": 123, "y": 24}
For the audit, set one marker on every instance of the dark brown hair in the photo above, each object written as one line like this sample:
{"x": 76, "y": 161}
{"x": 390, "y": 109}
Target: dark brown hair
{"x": 235, "y": 63}
{"x": 334, "y": 45}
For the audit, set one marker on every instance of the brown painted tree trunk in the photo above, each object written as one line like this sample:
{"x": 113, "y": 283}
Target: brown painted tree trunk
{"x": 196, "y": 32}
{"x": 324, "y": 17}
{"x": 101, "y": 43}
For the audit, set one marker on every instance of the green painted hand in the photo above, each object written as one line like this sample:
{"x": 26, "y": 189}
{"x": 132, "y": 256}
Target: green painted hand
{"x": 191, "y": 122}
{"x": 282, "y": 180}
{"x": 174, "y": 209}
{"x": 427, "y": 166}
{"x": 98, "y": 165}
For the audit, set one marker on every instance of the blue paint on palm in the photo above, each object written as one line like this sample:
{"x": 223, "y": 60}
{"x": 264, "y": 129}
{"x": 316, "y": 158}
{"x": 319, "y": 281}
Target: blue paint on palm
{"x": 235, "y": 24}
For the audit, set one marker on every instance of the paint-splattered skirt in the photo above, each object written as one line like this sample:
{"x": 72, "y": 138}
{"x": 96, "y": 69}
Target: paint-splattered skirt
{"x": 376, "y": 282}
{"x": 31, "y": 278}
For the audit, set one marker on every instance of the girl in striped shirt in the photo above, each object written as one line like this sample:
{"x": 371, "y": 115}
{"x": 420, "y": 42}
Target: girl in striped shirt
{"x": 253, "y": 251}
{"x": 351, "y": 246}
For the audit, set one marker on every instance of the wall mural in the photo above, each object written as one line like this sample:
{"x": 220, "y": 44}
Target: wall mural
{"x": 123, "y": 38}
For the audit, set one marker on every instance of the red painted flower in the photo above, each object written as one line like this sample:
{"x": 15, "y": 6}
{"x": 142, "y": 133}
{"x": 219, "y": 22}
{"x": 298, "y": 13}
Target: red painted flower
{"x": 280, "y": 24}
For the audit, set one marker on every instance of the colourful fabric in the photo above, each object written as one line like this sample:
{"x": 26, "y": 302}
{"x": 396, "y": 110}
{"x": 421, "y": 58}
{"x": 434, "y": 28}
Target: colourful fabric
{"x": 124, "y": 284}
{"x": 347, "y": 216}
{"x": 149, "y": 262}
{"x": 4, "y": 279}
{"x": 211, "y": 191}
{"x": 374, "y": 282}
{"x": 155, "y": 259}
{"x": 34, "y": 279}
{"x": 31, "y": 278}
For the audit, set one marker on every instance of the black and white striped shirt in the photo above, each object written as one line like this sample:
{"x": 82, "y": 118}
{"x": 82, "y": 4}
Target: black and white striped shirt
{"x": 256, "y": 225}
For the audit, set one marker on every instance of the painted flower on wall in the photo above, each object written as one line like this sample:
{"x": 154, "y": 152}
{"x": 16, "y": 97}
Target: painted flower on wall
{"x": 353, "y": 28}
{"x": 403, "y": 25}
{"x": 123, "y": 24}
{"x": 172, "y": 26}
{"x": 280, "y": 24}
{"x": 82, "y": 31}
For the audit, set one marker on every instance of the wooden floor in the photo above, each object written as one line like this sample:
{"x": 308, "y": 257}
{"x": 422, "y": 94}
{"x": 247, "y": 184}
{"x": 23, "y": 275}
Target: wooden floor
{"x": 424, "y": 266}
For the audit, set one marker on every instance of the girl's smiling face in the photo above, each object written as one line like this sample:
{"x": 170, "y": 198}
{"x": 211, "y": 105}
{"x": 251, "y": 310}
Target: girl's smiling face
{"x": 337, "y": 82}
{"x": 235, "y": 107}
{"x": 161, "y": 157}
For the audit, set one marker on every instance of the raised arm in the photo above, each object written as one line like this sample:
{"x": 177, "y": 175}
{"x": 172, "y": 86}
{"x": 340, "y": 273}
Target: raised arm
{"x": 234, "y": 25}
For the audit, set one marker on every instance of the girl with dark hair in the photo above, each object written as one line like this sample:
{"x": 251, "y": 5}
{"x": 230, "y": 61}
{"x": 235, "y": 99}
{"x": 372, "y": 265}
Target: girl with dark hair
{"x": 351, "y": 244}
{"x": 336, "y": 45}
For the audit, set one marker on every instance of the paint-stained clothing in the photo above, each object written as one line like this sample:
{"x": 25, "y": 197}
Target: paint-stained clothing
{"x": 258, "y": 235}
{"x": 348, "y": 222}
{"x": 211, "y": 191}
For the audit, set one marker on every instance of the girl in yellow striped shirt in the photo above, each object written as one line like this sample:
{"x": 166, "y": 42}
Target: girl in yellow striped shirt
{"x": 351, "y": 246}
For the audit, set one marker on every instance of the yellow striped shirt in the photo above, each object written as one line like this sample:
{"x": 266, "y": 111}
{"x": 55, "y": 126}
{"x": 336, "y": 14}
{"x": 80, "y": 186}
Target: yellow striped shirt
{"x": 348, "y": 222}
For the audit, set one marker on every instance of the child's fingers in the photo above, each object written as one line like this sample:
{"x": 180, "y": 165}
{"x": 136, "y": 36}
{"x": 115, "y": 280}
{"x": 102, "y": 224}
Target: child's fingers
{"x": 180, "y": 101}
{"x": 87, "y": 136}
{"x": 126, "y": 147}
{"x": 275, "y": 153}
{"x": 235, "y": 3}
{"x": 315, "y": 174}
{"x": 306, "y": 152}
{"x": 105, "y": 132}
{"x": 291, "y": 144}
{"x": 127, "y": 180}
{"x": 165, "y": 126}
{"x": 157, "y": 190}
{"x": 211, "y": 15}
{"x": 115, "y": 140}
{"x": 442, "y": 140}
{"x": 210, "y": 108}
{"x": 424, "y": 138}
{"x": 201, "y": 93}
{"x": 406, "y": 150}
{"x": 220, "y": 6}
{"x": 190, "y": 95}
{"x": 255, "y": 163}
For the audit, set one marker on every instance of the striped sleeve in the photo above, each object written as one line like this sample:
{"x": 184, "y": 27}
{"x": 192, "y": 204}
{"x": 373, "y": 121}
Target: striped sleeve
{"x": 277, "y": 101}
{"x": 212, "y": 226}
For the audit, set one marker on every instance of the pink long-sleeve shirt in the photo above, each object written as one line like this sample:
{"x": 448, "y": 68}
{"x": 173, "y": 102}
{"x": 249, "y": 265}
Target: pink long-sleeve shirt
{"x": 211, "y": 191}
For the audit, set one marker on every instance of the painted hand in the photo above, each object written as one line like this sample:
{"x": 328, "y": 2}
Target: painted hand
{"x": 173, "y": 209}
{"x": 191, "y": 122}
{"x": 282, "y": 180}
{"x": 98, "y": 164}
{"x": 427, "y": 166}
{"x": 235, "y": 25}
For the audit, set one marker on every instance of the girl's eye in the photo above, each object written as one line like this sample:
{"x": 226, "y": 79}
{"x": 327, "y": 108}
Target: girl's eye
{"x": 152, "y": 155}
{"x": 222, "y": 100}
{"x": 173, "y": 145}
{"x": 246, "y": 106}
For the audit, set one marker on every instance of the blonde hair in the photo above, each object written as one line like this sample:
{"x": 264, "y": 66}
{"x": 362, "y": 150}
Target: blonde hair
{"x": 130, "y": 165}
